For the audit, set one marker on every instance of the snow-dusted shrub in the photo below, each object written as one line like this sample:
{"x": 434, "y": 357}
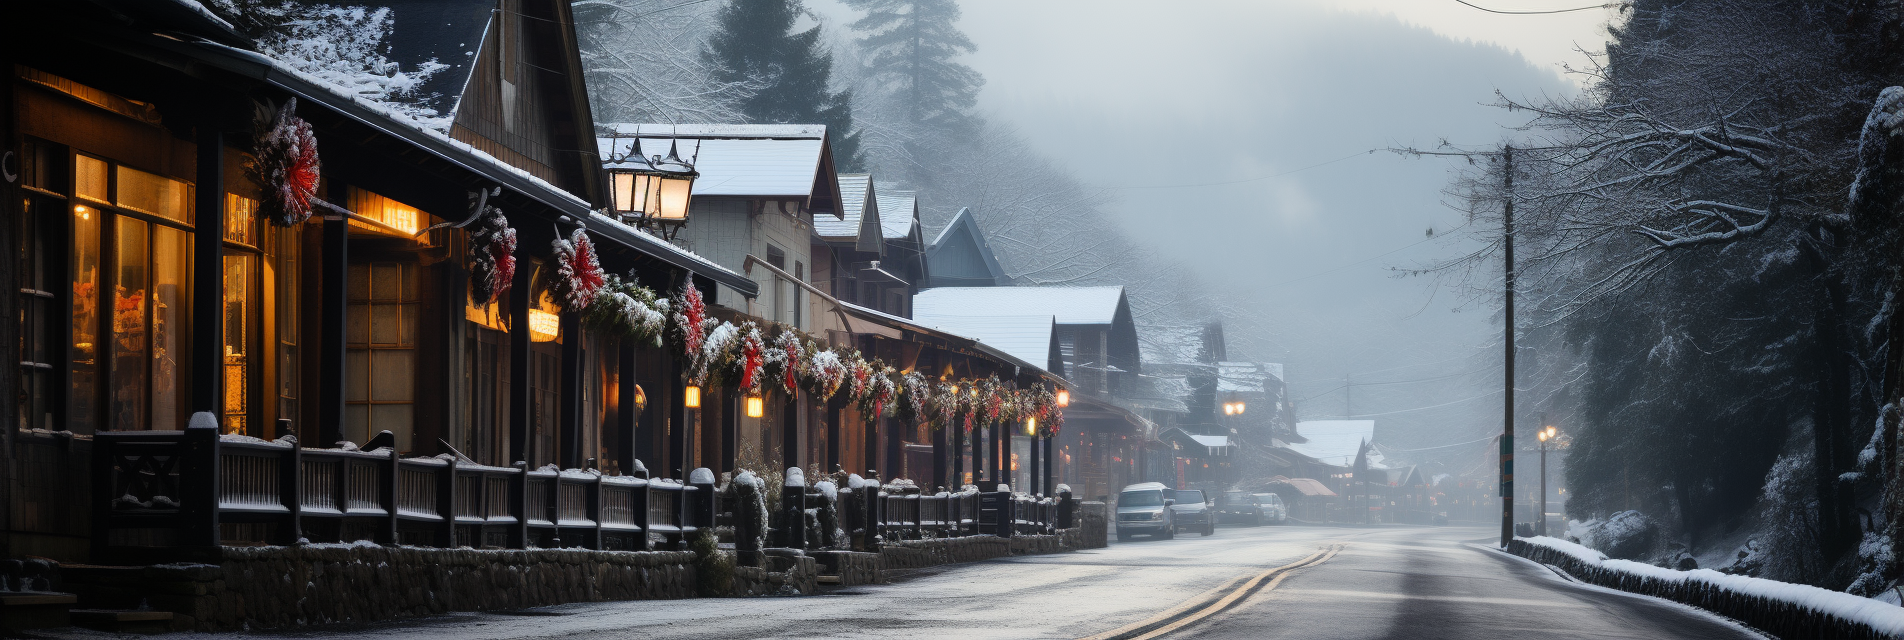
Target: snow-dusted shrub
{"x": 747, "y": 494}
{"x": 713, "y": 568}
{"x": 1628, "y": 535}
{"x": 1789, "y": 547}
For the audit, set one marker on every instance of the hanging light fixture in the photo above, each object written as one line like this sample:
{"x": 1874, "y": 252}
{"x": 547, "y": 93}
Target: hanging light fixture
{"x": 691, "y": 397}
{"x": 1031, "y": 426}
{"x": 755, "y": 406}
{"x": 650, "y": 191}
{"x": 1064, "y": 398}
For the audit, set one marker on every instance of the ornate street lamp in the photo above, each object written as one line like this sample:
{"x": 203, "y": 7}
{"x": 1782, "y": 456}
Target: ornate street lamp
{"x": 650, "y": 191}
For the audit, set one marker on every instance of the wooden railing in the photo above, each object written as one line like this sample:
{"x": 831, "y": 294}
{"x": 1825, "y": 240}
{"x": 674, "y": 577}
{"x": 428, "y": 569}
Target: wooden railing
{"x": 194, "y": 489}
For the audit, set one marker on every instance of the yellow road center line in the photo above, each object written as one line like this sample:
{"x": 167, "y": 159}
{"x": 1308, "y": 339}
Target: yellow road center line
{"x": 1202, "y": 602}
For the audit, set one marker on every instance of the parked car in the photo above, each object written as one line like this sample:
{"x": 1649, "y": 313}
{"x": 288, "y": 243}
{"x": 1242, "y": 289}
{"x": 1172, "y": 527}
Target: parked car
{"x": 1145, "y": 509}
{"x": 1274, "y": 510}
{"x": 1193, "y": 512}
{"x": 1251, "y": 508}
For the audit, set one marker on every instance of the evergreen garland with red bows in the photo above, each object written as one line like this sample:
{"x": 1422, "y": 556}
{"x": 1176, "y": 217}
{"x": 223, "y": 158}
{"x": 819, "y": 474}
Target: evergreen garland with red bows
{"x": 492, "y": 257}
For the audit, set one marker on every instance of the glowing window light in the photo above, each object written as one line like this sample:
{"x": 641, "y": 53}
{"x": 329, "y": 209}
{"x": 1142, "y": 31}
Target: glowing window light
{"x": 544, "y": 326}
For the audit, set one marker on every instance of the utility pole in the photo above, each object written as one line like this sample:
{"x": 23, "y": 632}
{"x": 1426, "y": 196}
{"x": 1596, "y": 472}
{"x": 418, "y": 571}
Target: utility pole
{"x": 1507, "y": 429}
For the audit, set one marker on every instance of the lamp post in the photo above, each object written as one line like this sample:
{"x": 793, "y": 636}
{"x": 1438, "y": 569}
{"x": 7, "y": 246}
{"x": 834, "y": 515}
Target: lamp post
{"x": 1540, "y": 526}
{"x": 650, "y": 191}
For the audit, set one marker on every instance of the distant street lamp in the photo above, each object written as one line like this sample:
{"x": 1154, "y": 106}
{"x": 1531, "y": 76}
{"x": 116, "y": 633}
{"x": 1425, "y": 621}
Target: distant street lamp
{"x": 1540, "y": 525}
{"x": 650, "y": 191}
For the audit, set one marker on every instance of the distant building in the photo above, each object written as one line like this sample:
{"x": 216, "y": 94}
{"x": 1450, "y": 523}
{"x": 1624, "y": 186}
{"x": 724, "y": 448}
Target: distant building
{"x": 960, "y": 257}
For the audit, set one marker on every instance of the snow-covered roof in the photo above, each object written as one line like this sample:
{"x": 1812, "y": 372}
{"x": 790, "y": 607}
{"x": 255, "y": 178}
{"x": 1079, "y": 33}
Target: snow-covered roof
{"x": 1026, "y": 337}
{"x": 1211, "y": 441}
{"x": 1247, "y": 377}
{"x": 735, "y": 167}
{"x": 779, "y": 131}
{"x": 854, "y": 187}
{"x": 898, "y": 212}
{"x": 1333, "y": 441}
{"x": 1069, "y": 305}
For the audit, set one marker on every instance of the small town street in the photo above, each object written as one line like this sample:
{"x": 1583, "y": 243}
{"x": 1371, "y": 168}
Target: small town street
{"x": 1386, "y": 582}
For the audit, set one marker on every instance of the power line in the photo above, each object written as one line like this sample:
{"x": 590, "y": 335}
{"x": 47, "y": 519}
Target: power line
{"x": 1434, "y": 406}
{"x": 1358, "y": 262}
{"x": 1445, "y": 446}
{"x": 1247, "y": 180}
{"x": 1609, "y": 5}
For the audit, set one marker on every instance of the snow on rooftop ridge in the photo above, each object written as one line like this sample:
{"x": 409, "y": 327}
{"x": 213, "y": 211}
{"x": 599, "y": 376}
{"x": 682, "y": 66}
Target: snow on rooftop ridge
{"x": 1025, "y": 337}
{"x": 854, "y": 188}
{"x": 781, "y": 131}
{"x": 1069, "y": 305}
{"x": 896, "y": 212}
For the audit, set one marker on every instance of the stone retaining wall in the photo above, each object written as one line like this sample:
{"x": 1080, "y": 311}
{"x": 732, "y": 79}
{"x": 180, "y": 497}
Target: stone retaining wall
{"x": 280, "y": 587}
{"x": 784, "y": 575}
{"x": 1094, "y": 519}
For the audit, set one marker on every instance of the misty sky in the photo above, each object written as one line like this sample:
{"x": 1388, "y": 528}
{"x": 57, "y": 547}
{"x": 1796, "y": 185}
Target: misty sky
{"x": 1138, "y": 94}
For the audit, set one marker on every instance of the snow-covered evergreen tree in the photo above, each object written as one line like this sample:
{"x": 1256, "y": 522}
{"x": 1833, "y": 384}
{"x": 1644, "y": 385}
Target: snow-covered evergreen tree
{"x": 343, "y": 46}
{"x": 911, "y": 48}
{"x": 643, "y": 63}
{"x": 754, "y": 42}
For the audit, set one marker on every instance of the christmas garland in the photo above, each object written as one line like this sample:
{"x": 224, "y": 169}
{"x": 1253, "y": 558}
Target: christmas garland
{"x": 718, "y": 352}
{"x": 628, "y": 311}
{"x": 492, "y": 257}
{"x": 284, "y": 162}
{"x": 577, "y": 274}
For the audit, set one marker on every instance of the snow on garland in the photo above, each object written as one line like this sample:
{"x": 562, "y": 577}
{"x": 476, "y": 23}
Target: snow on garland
{"x": 786, "y": 357}
{"x": 690, "y": 320}
{"x": 577, "y": 274}
{"x": 914, "y": 389}
{"x": 750, "y": 358}
{"x": 284, "y": 162}
{"x": 492, "y": 257}
{"x": 721, "y": 352}
{"x": 629, "y": 311}
{"x": 825, "y": 372}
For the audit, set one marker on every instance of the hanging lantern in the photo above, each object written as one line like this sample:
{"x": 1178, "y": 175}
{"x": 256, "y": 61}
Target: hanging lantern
{"x": 755, "y": 406}
{"x": 1031, "y": 426}
{"x": 691, "y": 397}
{"x": 650, "y": 191}
{"x": 1064, "y": 398}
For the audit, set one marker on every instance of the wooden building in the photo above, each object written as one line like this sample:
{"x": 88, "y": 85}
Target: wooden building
{"x": 154, "y": 293}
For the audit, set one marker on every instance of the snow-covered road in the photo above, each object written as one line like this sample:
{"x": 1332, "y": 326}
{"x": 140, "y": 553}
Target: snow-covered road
{"x": 1392, "y": 582}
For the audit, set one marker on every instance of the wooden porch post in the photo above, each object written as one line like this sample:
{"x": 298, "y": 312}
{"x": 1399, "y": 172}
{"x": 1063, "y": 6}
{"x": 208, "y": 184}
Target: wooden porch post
{"x": 519, "y": 342}
{"x": 677, "y": 421}
{"x": 570, "y": 404}
{"x": 334, "y": 302}
{"x": 790, "y": 433}
{"x": 939, "y": 451}
{"x": 627, "y": 418}
{"x": 208, "y": 274}
{"x": 833, "y": 432}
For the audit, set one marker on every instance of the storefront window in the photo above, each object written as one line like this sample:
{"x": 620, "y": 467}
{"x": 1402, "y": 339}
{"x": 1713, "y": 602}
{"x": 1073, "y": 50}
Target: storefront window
{"x": 283, "y": 297}
{"x": 381, "y": 362}
{"x": 545, "y": 371}
{"x": 83, "y": 397}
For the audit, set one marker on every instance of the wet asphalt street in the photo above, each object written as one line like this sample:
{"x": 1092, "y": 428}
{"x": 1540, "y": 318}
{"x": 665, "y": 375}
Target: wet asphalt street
{"x": 1394, "y": 582}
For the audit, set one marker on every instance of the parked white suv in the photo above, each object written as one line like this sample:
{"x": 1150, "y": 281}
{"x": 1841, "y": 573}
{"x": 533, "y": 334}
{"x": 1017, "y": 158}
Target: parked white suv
{"x": 1145, "y": 509}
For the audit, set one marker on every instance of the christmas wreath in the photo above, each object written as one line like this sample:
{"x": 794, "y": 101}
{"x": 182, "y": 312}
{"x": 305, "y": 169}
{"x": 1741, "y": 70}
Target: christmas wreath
{"x": 577, "y": 274}
{"x": 284, "y": 163}
{"x": 492, "y": 257}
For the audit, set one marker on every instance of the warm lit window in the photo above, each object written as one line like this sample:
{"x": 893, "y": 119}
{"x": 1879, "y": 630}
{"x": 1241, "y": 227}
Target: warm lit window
{"x": 486, "y": 372}
{"x": 384, "y": 216}
{"x": 128, "y": 346}
{"x": 380, "y": 364}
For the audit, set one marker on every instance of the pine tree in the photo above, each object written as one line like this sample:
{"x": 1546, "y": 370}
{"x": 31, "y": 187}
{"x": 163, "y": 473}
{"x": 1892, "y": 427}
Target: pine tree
{"x": 911, "y": 44}
{"x": 754, "y": 42}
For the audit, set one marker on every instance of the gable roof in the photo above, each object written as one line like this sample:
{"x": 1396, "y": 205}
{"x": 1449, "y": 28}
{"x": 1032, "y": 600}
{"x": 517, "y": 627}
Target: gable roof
{"x": 1069, "y": 305}
{"x": 856, "y": 191}
{"x": 1247, "y": 377}
{"x": 960, "y": 256}
{"x": 1026, "y": 337}
{"x": 753, "y": 160}
{"x": 899, "y": 213}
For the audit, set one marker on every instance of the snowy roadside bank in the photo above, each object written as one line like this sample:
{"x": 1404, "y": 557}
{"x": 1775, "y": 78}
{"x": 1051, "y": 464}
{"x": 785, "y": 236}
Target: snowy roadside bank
{"x": 1782, "y": 609}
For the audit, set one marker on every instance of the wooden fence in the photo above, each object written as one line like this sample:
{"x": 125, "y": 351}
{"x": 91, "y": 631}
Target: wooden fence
{"x": 193, "y": 489}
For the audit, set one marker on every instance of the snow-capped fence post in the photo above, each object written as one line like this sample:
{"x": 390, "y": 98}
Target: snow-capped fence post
{"x": 995, "y": 513}
{"x": 387, "y": 530}
{"x": 793, "y": 510}
{"x": 519, "y": 506}
{"x": 445, "y": 504}
{"x": 198, "y": 483}
{"x": 289, "y": 475}
{"x": 1067, "y": 508}
{"x": 701, "y": 501}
